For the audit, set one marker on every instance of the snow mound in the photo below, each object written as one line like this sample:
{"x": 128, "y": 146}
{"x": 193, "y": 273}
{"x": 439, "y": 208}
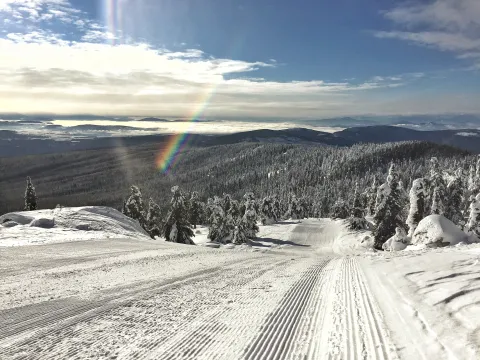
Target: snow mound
{"x": 66, "y": 224}
{"x": 437, "y": 231}
{"x": 397, "y": 242}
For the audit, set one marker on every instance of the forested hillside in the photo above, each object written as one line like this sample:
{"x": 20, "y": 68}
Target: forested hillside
{"x": 317, "y": 174}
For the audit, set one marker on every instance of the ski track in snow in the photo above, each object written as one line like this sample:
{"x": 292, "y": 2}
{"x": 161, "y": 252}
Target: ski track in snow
{"x": 359, "y": 331}
{"x": 293, "y": 304}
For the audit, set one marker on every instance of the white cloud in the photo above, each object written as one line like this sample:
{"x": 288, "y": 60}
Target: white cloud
{"x": 43, "y": 71}
{"x": 446, "y": 25}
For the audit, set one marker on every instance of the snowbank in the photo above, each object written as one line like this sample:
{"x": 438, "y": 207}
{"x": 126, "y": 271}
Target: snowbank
{"x": 437, "y": 231}
{"x": 397, "y": 242}
{"x": 346, "y": 241}
{"x": 66, "y": 224}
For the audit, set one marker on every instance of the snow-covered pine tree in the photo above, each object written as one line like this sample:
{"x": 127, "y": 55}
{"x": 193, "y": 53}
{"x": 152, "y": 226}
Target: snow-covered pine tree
{"x": 30, "y": 196}
{"x": 154, "y": 219}
{"x": 209, "y": 206}
{"x": 471, "y": 182}
{"x": 217, "y": 230}
{"x": 267, "y": 214}
{"x": 388, "y": 209}
{"x": 194, "y": 210}
{"x": 177, "y": 228}
{"x": 477, "y": 176}
{"x": 371, "y": 197}
{"x": 404, "y": 201}
{"x": 437, "y": 203}
{"x": 250, "y": 219}
{"x": 455, "y": 198}
{"x": 437, "y": 189}
{"x": 240, "y": 232}
{"x": 133, "y": 207}
{"x": 417, "y": 205}
{"x": 473, "y": 224}
{"x": 277, "y": 208}
{"x": 233, "y": 216}
{"x": 226, "y": 202}
{"x": 340, "y": 210}
{"x": 356, "y": 209}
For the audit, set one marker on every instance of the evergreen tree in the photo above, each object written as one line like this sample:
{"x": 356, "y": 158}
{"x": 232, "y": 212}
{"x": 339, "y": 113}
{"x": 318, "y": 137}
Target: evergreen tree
{"x": 276, "y": 207}
{"x": 417, "y": 205}
{"x": 217, "y": 231}
{"x": 30, "y": 196}
{"x": 240, "y": 232}
{"x": 340, "y": 210}
{"x": 371, "y": 197}
{"x": 133, "y": 207}
{"x": 356, "y": 209}
{"x": 455, "y": 198}
{"x": 226, "y": 203}
{"x": 388, "y": 209}
{"x": 477, "y": 177}
{"x": 194, "y": 210}
{"x": 437, "y": 188}
{"x": 471, "y": 179}
{"x": 473, "y": 224}
{"x": 233, "y": 216}
{"x": 177, "y": 228}
{"x": 267, "y": 211}
{"x": 250, "y": 220}
{"x": 437, "y": 203}
{"x": 154, "y": 219}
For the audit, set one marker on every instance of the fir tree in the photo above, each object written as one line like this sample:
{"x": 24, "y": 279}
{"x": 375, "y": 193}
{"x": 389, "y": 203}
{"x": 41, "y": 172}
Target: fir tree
{"x": 194, "y": 210}
{"x": 240, "y": 232}
{"x": 250, "y": 220}
{"x": 30, "y": 196}
{"x": 473, "y": 224}
{"x": 371, "y": 197}
{"x": 437, "y": 188}
{"x": 455, "y": 198}
{"x": 356, "y": 209}
{"x": 217, "y": 230}
{"x": 276, "y": 207}
{"x": 417, "y": 205}
{"x": 133, "y": 207}
{"x": 471, "y": 179}
{"x": 233, "y": 216}
{"x": 437, "y": 203}
{"x": 340, "y": 210}
{"x": 267, "y": 211}
{"x": 177, "y": 228}
{"x": 388, "y": 209}
{"x": 154, "y": 219}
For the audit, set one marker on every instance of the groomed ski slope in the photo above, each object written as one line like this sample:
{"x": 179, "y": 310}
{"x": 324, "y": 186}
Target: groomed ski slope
{"x": 307, "y": 297}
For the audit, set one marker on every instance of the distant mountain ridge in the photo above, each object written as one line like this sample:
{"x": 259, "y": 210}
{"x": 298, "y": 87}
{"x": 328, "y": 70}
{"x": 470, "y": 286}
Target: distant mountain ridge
{"x": 15, "y": 144}
{"x": 466, "y": 139}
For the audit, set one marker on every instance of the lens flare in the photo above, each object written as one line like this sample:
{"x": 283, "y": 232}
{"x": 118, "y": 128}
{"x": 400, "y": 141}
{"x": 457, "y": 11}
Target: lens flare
{"x": 170, "y": 153}
{"x": 113, "y": 14}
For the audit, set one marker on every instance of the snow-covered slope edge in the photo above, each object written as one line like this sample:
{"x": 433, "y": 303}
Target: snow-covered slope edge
{"x": 66, "y": 224}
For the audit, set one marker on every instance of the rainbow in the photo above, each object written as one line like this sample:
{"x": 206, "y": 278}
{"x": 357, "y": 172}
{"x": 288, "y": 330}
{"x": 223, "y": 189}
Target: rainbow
{"x": 169, "y": 155}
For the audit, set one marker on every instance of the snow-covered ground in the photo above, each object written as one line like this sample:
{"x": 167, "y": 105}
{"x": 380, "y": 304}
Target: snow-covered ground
{"x": 309, "y": 289}
{"x": 66, "y": 224}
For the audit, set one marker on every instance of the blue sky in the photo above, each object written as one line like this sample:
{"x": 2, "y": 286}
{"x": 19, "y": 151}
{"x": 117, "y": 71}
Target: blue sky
{"x": 240, "y": 58}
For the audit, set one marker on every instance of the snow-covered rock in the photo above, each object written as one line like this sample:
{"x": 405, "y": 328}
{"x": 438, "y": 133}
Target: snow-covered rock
{"x": 436, "y": 231}
{"x": 397, "y": 242}
{"x": 66, "y": 224}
